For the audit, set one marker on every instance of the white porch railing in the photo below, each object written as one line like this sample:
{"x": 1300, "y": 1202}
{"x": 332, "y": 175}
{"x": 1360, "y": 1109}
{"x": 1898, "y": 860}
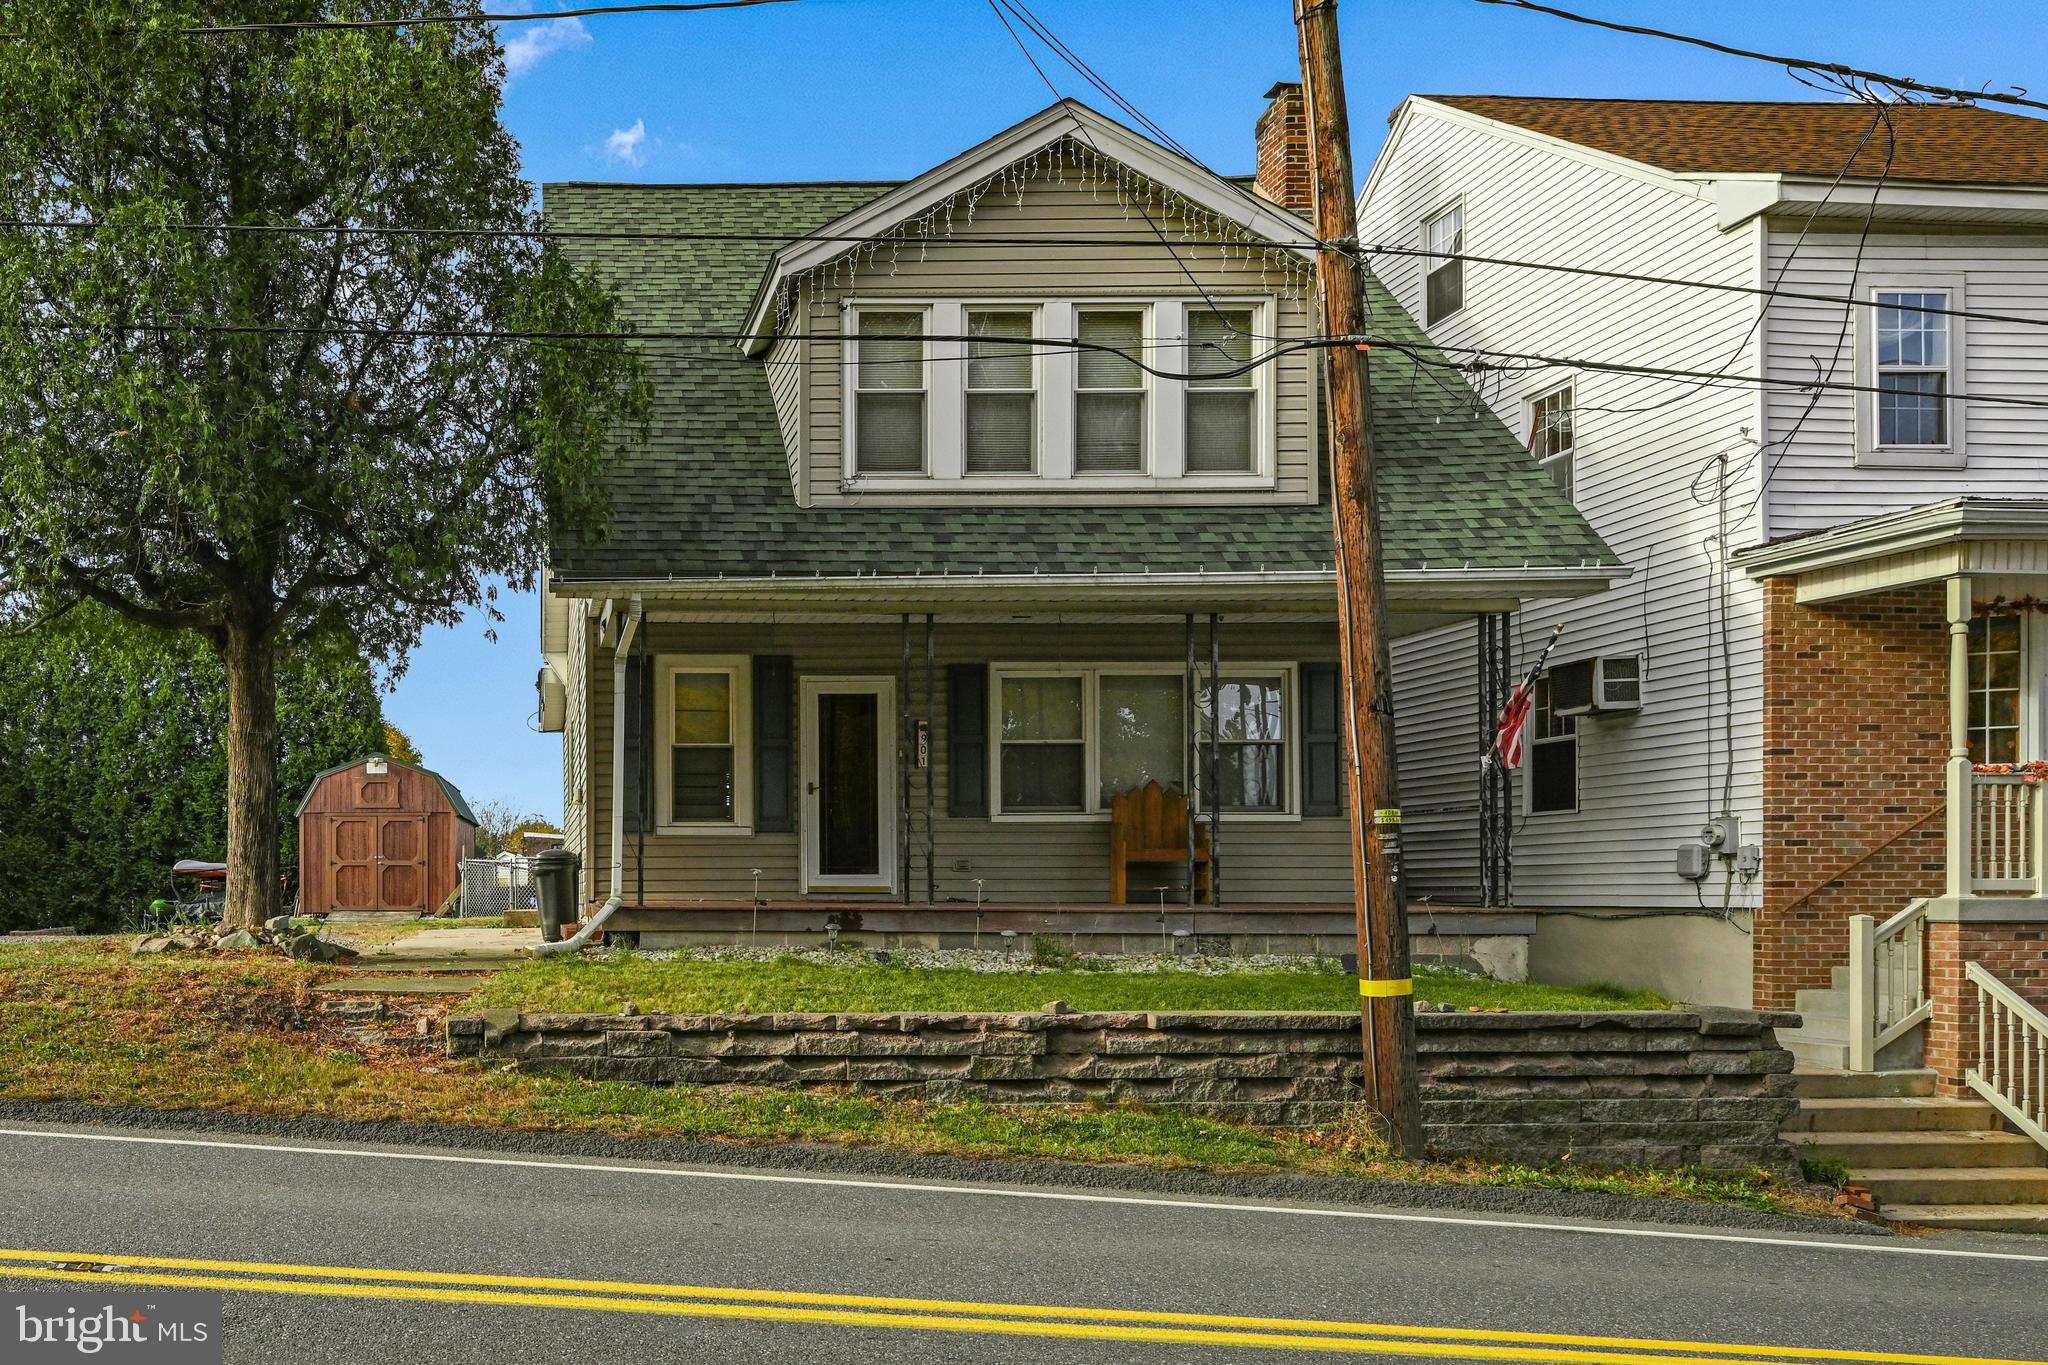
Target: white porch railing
{"x": 1887, "y": 982}
{"x": 2004, "y": 844}
{"x": 2012, "y": 1054}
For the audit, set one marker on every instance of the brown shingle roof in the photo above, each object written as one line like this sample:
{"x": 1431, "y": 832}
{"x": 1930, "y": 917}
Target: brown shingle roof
{"x": 1958, "y": 144}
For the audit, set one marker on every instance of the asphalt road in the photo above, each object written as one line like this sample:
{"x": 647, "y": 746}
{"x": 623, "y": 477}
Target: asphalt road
{"x": 674, "y": 1263}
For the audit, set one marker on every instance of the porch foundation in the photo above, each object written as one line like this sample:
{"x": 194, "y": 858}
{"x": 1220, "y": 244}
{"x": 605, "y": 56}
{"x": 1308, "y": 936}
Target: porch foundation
{"x": 2015, "y": 951}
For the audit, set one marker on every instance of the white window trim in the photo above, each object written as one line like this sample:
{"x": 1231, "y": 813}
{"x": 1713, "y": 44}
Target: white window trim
{"x": 1871, "y": 455}
{"x": 1431, "y": 263}
{"x": 1091, "y": 767}
{"x": 740, "y": 668}
{"x": 1529, "y": 811}
{"x": 850, "y": 418}
{"x": 946, "y": 384}
{"x": 1570, "y": 454}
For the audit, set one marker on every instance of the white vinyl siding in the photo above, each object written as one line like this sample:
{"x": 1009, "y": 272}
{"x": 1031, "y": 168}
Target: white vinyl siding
{"x": 1637, "y": 446}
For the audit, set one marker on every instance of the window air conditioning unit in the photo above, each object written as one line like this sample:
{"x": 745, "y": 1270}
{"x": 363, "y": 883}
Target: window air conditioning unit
{"x": 1595, "y": 687}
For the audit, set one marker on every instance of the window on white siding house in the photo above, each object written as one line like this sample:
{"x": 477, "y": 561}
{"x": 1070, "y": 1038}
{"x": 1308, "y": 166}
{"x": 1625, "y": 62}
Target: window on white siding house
{"x": 1041, "y": 728}
{"x": 1251, "y": 741}
{"x": 1222, "y": 395}
{"x": 1550, "y": 434}
{"x": 1002, "y": 393}
{"x": 1109, "y": 392}
{"x": 1444, "y": 276}
{"x": 1912, "y": 368}
{"x": 1996, "y": 657}
{"x": 702, "y": 752}
{"x": 889, "y": 393}
{"x": 1553, "y": 756}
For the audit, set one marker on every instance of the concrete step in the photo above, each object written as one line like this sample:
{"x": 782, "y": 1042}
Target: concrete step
{"x": 1821, "y": 1004}
{"x": 1898, "y": 1114}
{"x": 1808, "y": 1054}
{"x": 1973, "y": 1217}
{"x": 1957, "y": 1185}
{"x": 1834, "y": 1083}
{"x": 1980, "y": 1150}
{"x": 1838, "y": 979}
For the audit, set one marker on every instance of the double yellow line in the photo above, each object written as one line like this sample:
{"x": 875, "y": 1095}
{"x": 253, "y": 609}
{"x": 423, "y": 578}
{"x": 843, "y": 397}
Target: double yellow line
{"x": 929, "y": 1315}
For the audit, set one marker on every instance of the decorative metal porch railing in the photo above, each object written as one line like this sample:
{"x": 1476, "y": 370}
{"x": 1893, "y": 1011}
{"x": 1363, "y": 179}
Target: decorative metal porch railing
{"x": 2004, "y": 844}
{"x": 2012, "y": 1054}
{"x": 1887, "y": 982}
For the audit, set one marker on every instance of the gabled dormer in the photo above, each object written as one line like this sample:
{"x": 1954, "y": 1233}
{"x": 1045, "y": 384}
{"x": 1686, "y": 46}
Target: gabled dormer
{"x": 1066, "y": 312}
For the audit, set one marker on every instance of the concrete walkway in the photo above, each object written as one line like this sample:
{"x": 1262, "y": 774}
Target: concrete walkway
{"x": 461, "y": 948}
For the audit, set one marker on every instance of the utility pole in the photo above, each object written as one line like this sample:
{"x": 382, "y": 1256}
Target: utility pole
{"x": 1386, "y": 991}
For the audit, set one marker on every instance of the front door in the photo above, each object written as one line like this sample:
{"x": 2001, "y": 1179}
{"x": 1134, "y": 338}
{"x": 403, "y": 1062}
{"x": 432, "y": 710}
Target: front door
{"x": 849, "y": 784}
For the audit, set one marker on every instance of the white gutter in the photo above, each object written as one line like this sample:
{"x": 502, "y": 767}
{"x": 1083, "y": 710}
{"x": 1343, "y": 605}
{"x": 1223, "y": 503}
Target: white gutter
{"x": 620, "y": 655}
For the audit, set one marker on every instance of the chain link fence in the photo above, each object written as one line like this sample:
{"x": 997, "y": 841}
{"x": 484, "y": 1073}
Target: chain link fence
{"x": 491, "y": 886}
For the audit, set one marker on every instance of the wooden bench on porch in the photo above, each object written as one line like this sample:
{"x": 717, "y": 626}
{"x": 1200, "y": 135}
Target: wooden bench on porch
{"x": 1149, "y": 824}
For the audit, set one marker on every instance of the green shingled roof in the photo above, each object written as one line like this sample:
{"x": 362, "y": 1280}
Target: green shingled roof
{"x": 709, "y": 494}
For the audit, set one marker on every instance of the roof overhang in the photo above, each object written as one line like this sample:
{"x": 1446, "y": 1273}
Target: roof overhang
{"x": 1170, "y": 170}
{"x": 1978, "y": 536}
{"x": 1739, "y": 198}
{"x": 1446, "y": 591}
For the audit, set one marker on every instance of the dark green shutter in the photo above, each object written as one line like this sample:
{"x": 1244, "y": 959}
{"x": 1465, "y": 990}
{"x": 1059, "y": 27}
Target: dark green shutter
{"x": 1322, "y": 739}
{"x": 774, "y": 744}
{"x": 967, "y": 740}
{"x": 639, "y": 805}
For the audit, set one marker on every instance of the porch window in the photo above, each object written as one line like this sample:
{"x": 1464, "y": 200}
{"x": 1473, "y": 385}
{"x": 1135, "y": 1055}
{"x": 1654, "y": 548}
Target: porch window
{"x": 1249, "y": 722}
{"x": 1553, "y": 756}
{"x": 1141, "y": 729}
{"x": 1223, "y": 396}
{"x": 1109, "y": 392}
{"x": 1044, "y": 744}
{"x": 703, "y": 723}
{"x": 1912, "y": 368}
{"x": 1995, "y": 653}
{"x": 1002, "y": 393}
{"x": 889, "y": 393}
{"x": 1444, "y": 275}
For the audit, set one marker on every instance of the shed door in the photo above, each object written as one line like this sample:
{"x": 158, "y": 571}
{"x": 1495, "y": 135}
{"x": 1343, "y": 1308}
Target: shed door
{"x": 352, "y": 855}
{"x": 401, "y": 862}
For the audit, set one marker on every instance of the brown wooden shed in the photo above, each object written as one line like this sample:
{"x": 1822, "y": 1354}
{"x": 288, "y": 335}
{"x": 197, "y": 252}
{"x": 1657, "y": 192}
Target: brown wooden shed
{"x": 380, "y": 834}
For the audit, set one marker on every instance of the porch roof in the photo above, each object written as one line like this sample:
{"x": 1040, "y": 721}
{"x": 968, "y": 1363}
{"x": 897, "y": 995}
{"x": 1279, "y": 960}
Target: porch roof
{"x": 707, "y": 497}
{"x": 1922, "y": 544}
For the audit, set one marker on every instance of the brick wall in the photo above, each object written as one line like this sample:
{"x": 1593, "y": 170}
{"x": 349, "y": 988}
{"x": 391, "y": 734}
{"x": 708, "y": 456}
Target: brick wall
{"x": 2016, "y": 954}
{"x": 1855, "y": 736}
{"x": 1700, "y": 1088}
{"x": 1282, "y": 136}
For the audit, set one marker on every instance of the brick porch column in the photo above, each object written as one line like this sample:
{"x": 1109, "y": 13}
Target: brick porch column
{"x": 2014, "y": 951}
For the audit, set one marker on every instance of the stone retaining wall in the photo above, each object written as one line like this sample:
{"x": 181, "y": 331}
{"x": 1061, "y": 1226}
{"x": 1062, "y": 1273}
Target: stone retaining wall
{"x": 1706, "y": 1088}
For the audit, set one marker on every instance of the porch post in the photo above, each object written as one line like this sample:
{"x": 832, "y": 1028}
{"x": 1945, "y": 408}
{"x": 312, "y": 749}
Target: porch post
{"x": 1959, "y": 833}
{"x": 931, "y": 711}
{"x": 903, "y": 769}
{"x": 1215, "y": 764}
{"x": 1193, "y": 757}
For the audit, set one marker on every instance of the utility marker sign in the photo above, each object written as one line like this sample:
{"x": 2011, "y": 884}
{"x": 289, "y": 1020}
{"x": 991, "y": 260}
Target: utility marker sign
{"x": 166, "y": 1327}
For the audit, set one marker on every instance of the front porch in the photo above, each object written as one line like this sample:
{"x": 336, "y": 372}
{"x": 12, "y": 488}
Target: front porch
{"x": 1906, "y": 697}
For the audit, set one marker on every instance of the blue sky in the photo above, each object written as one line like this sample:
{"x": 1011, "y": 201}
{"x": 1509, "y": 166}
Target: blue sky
{"x": 880, "y": 89}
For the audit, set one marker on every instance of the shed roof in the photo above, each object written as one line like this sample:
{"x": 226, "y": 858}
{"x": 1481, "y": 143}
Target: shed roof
{"x": 448, "y": 789}
{"x": 1939, "y": 143}
{"x": 708, "y": 495}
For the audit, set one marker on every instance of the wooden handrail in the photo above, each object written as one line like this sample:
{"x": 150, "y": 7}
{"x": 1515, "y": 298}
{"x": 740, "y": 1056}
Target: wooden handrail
{"x": 1810, "y": 892}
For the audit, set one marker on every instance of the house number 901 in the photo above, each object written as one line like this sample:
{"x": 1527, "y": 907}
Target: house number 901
{"x": 924, "y": 744}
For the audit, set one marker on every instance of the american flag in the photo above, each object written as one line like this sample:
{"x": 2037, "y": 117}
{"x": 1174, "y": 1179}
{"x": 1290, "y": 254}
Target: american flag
{"x": 1514, "y": 717}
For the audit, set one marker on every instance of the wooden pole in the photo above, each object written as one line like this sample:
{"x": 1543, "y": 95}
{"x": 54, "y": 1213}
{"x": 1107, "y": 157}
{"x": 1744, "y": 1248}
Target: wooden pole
{"x": 1385, "y": 989}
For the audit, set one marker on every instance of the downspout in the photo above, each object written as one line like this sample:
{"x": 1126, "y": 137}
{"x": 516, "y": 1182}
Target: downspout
{"x": 621, "y": 654}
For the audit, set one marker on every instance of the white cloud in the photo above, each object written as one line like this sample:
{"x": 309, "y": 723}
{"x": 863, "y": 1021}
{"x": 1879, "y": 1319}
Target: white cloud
{"x": 625, "y": 144}
{"x": 534, "y": 42}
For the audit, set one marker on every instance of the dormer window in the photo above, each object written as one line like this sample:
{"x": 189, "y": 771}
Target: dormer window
{"x": 889, "y": 386}
{"x": 1041, "y": 394}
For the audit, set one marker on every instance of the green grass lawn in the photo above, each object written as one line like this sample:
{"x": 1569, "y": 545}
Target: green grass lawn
{"x": 696, "y": 986}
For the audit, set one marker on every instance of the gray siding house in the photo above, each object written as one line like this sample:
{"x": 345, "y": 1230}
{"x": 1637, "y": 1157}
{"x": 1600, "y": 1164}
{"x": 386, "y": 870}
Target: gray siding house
{"x": 973, "y": 501}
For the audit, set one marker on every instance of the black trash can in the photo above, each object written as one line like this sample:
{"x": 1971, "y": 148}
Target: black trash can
{"x": 556, "y": 869}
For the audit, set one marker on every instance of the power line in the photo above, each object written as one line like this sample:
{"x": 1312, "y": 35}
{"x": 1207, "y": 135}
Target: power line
{"x": 1836, "y": 70}
{"x": 427, "y": 20}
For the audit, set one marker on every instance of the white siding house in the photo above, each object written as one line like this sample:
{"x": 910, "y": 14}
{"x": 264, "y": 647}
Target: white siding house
{"x": 1677, "y": 474}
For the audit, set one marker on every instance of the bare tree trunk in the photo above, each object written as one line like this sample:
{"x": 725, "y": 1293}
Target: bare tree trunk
{"x": 250, "y": 658}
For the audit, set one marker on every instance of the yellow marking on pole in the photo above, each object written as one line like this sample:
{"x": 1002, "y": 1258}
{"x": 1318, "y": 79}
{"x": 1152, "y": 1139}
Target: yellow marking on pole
{"x": 1403, "y": 986}
{"x": 406, "y": 1278}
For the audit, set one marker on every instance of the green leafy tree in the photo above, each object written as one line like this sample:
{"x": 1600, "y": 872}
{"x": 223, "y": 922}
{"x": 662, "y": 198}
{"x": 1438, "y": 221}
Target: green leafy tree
{"x": 113, "y": 759}
{"x": 398, "y": 744}
{"x": 268, "y": 439}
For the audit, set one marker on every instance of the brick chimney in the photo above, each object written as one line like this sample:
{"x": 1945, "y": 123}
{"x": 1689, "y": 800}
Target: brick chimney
{"x": 1282, "y": 134}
